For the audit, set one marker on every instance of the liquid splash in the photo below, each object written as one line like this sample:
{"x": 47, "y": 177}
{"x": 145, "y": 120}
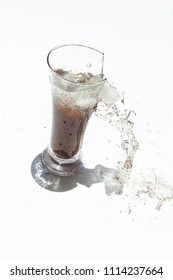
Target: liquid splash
{"x": 123, "y": 119}
{"x": 137, "y": 188}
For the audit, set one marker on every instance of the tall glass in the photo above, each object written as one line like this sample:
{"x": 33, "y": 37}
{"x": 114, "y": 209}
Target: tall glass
{"x": 77, "y": 87}
{"x": 76, "y": 74}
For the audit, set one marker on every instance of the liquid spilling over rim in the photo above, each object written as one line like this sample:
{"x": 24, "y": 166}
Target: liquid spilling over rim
{"x": 103, "y": 78}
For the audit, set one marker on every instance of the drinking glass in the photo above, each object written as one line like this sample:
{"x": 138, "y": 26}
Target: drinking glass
{"x": 77, "y": 83}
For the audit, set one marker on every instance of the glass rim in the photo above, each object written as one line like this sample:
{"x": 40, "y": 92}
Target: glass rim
{"x": 77, "y": 45}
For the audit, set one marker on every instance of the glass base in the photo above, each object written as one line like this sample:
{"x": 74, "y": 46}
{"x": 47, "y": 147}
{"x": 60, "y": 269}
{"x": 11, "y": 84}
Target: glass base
{"x": 48, "y": 179}
{"x": 53, "y": 181}
{"x": 60, "y": 166}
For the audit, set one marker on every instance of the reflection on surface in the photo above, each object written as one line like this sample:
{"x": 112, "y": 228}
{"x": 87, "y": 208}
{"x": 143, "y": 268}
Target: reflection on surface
{"x": 86, "y": 177}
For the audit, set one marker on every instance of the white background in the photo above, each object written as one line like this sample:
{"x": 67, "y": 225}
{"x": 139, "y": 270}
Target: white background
{"x": 85, "y": 224}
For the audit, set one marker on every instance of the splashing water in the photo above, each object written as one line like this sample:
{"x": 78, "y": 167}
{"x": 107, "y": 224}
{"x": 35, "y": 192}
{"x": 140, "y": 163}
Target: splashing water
{"x": 123, "y": 119}
{"x": 138, "y": 188}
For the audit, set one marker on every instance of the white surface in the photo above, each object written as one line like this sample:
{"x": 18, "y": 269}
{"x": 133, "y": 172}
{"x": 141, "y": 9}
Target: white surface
{"x": 84, "y": 223}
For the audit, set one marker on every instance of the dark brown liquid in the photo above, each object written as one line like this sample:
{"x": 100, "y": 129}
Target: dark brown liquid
{"x": 68, "y": 127}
